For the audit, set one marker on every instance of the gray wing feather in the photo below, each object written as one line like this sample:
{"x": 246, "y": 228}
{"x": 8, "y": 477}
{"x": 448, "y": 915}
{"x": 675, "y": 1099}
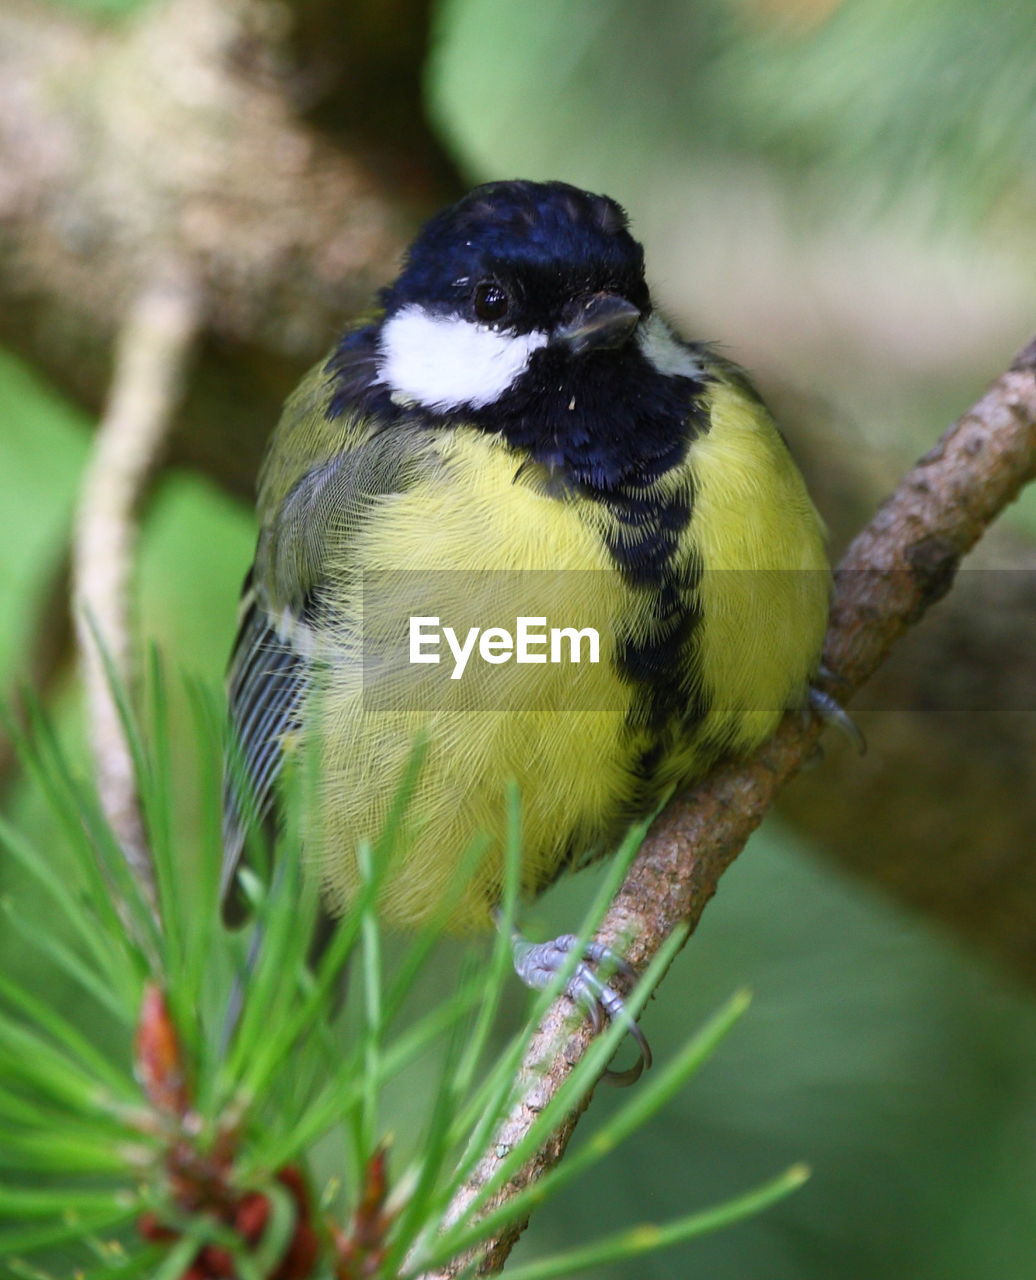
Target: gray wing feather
{"x": 267, "y": 683}
{"x": 269, "y": 678}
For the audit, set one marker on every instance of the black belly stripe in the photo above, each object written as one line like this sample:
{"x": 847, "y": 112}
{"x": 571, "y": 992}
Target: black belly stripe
{"x": 658, "y": 662}
{"x": 609, "y": 427}
{"x": 615, "y": 429}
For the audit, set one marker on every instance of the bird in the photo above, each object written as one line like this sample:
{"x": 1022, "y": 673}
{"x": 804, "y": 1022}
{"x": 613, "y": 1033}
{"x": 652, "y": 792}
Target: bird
{"x": 516, "y": 437}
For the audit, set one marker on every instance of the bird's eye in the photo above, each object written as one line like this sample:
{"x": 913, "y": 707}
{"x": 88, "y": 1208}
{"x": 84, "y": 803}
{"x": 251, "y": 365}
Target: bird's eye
{"x": 491, "y": 302}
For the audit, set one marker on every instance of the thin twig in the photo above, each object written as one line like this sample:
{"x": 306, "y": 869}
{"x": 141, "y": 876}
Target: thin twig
{"x": 897, "y": 567}
{"x": 154, "y": 346}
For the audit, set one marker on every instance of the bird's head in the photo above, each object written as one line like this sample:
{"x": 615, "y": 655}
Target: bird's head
{"x": 517, "y": 277}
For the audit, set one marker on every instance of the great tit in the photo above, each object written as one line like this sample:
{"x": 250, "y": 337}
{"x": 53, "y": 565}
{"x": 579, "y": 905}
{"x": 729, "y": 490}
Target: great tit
{"x": 516, "y": 433}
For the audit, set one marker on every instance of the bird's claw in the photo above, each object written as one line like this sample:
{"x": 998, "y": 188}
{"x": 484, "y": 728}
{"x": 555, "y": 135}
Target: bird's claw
{"x": 537, "y": 963}
{"x": 831, "y": 711}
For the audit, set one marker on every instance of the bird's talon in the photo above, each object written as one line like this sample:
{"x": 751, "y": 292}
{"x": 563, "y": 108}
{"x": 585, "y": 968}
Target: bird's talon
{"x": 623, "y": 1079}
{"x": 828, "y": 676}
{"x": 632, "y": 1074}
{"x": 537, "y": 964}
{"x": 831, "y": 711}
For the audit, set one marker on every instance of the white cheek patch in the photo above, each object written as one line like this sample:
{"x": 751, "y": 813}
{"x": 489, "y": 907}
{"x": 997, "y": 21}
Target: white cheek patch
{"x": 443, "y": 362}
{"x": 669, "y": 356}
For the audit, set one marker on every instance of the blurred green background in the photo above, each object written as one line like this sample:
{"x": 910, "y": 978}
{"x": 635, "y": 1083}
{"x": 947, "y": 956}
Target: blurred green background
{"x": 843, "y": 194}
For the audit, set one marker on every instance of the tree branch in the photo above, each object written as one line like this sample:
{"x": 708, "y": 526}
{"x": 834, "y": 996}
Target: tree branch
{"x": 182, "y": 125}
{"x": 153, "y": 351}
{"x": 901, "y": 564}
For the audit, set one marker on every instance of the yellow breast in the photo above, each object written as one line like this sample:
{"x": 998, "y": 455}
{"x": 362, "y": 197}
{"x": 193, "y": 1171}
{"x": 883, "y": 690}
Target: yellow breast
{"x": 472, "y": 544}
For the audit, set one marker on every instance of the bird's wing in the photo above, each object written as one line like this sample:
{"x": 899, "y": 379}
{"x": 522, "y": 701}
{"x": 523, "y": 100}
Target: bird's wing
{"x": 303, "y": 547}
{"x": 266, "y": 684}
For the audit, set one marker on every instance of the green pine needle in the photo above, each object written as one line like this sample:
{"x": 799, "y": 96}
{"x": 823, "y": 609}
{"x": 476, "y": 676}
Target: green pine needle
{"x": 636, "y": 1241}
{"x": 87, "y": 1123}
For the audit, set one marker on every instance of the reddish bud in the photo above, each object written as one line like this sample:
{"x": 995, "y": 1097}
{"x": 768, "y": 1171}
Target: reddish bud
{"x": 158, "y": 1061}
{"x": 369, "y": 1225}
{"x": 251, "y": 1216}
{"x": 361, "y": 1254}
{"x": 151, "y": 1228}
{"x": 303, "y": 1251}
{"x": 216, "y": 1263}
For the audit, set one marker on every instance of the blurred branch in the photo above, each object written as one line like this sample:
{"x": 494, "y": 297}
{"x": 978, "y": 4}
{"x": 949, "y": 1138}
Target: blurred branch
{"x": 893, "y": 572}
{"x": 364, "y": 68}
{"x": 151, "y": 360}
{"x": 184, "y": 126}
{"x": 940, "y": 813}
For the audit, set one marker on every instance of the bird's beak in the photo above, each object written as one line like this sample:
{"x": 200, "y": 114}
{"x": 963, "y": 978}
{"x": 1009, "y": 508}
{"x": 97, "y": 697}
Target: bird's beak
{"x": 599, "y": 321}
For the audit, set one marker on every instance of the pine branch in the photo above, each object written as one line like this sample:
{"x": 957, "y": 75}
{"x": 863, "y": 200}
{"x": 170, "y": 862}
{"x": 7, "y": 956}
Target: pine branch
{"x": 901, "y": 564}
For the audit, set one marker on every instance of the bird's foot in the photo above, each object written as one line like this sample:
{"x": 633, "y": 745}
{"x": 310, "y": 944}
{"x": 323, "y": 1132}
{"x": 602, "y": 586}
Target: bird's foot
{"x": 538, "y": 963}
